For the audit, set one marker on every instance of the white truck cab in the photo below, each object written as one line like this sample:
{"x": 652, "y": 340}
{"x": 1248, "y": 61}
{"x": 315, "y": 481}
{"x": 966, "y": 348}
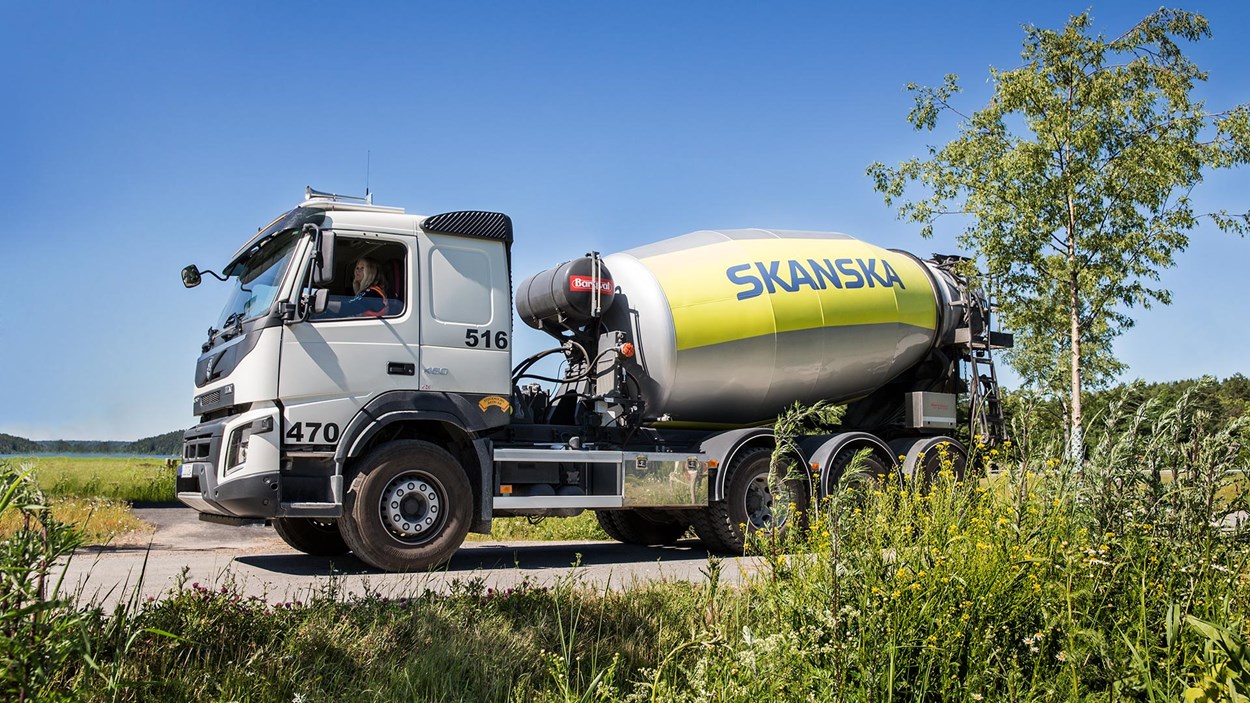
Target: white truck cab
{"x": 294, "y": 379}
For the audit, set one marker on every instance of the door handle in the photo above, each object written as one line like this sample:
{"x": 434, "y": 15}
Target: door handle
{"x": 396, "y": 368}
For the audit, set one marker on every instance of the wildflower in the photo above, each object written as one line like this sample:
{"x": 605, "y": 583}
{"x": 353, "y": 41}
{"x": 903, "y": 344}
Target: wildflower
{"x": 1061, "y": 657}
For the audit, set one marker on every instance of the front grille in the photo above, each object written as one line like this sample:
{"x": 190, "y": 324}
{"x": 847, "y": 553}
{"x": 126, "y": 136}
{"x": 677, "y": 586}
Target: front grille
{"x": 215, "y": 399}
{"x": 196, "y": 450}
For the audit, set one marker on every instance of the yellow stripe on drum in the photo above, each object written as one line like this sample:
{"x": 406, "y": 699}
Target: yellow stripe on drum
{"x": 748, "y": 288}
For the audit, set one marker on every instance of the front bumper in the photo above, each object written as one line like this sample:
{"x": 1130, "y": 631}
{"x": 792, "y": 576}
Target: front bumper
{"x": 247, "y": 491}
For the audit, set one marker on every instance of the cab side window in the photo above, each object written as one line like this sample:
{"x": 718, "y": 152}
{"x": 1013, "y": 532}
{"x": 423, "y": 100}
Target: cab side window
{"x": 369, "y": 279}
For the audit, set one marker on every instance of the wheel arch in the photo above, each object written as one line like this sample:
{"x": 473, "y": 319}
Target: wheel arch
{"x": 914, "y": 449}
{"x": 820, "y": 452}
{"x": 433, "y": 419}
{"x": 723, "y": 448}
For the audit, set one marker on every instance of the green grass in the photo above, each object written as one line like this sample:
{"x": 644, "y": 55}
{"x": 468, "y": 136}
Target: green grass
{"x": 1102, "y": 582}
{"x": 115, "y": 478}
{"x": 958, "y": 595}
{"x": 554, "y": 529}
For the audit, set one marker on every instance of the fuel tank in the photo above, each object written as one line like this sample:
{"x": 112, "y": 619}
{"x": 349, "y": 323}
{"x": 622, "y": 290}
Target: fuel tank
{"x": 733, "y": 326}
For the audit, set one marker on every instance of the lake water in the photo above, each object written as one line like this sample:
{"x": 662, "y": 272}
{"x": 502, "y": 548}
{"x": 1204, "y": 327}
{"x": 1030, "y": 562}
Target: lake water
{"x": 87, "y": 456}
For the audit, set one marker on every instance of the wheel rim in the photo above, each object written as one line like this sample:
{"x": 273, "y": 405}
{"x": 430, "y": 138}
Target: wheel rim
{"x": 413, "y": 507}
{"x": 759, "y": 503}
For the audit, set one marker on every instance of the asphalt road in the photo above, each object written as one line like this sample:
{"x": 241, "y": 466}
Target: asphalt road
{"x": 184, "y": 550}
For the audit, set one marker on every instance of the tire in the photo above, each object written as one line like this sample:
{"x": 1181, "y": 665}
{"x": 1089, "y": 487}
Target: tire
{"x": 929, "y": 468}
{"x": 749, "y": 502}
{"x": 320, "y": 538}
{"x": 408, "y": 507}
{"x": 641, "y": 526}
{"x": 873, "y": 471}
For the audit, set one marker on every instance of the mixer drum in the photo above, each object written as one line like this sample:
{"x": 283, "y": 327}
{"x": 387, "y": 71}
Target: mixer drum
{"x": 734, "y": 326}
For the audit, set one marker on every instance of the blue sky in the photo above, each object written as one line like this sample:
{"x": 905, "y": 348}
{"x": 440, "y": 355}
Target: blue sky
{"x": 137, "y": 138}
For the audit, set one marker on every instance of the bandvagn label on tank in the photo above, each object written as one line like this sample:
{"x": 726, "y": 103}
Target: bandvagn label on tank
{"x": 578, "y": 284}
{"x": 790, "y": 275}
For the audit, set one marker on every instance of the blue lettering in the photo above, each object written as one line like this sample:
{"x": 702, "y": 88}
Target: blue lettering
{"x": 855, "y": 280}
{"x": 825, "y": 273}
{"x": 799, "y": 276}
{"x": 771, "y": 277}
{"x": 817, "y": 275}
{"x": 892, "y": 276}
{"x": 870, "y": 272}
{"x": 738, "y": 278}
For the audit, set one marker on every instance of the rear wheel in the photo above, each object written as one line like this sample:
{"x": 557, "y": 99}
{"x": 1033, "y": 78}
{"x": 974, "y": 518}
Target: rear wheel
{"x": 315, "y": 536}
{"x": 642, "y": 526}
{"x": 930, "y": 459}
{"x": 871, "y": 470}
{"x": 408, "y": 508}
{"x": 753, "y": 502}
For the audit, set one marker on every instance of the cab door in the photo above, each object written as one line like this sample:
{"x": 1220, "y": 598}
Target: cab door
{"x": 466, "y": 329}
{"x": 334, "y": 364}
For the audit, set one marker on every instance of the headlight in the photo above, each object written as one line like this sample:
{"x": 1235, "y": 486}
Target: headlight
{"x": 236, "y": 456}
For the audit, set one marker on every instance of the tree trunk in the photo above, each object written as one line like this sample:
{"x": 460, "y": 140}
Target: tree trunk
{"x": 1076, "y": 437}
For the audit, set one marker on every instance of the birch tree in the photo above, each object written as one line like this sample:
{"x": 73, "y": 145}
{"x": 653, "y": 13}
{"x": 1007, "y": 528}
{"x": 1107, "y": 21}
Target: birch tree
{"x": 1076, "y": 182}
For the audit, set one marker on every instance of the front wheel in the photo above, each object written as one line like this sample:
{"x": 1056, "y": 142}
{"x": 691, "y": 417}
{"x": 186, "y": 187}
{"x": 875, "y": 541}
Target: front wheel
{"x": 315, "y": 536}
{"x": 408, "y": 508}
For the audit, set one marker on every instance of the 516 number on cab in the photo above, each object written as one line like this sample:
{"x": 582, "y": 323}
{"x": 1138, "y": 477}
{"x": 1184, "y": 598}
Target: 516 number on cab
{"x": 486, "y": 339}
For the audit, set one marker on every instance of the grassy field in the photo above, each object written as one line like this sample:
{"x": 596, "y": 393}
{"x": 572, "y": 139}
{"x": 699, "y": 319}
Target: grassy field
{"x": 94, "y": 493}
{"x": 961, "y": 594}
{"x": 1121, "y": 579}
{"x": 116, "y": 478}
{"x": 98, "y": 520}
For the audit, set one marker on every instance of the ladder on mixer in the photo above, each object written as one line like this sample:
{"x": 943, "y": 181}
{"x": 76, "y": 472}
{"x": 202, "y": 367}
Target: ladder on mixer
{"x": 985, "y": 408}
{"x": 985, "y": 405}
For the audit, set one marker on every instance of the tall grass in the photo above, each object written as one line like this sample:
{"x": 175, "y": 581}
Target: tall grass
{"x": 1050, "y": 583}
{"x": 96, "y": 520}
{"x": 116, "y": 478}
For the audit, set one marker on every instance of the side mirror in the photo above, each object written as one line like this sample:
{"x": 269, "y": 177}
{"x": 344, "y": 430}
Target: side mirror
{"x": 323, "y": 263}
{"x": 191, "y": 276}
{"x": 320, "y": 298}
{"x": 310, "y": 305}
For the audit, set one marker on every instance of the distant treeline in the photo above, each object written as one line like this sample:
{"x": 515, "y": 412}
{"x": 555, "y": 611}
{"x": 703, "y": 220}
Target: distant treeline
{"x": 1209, "y": 401}
{"x": 168, "y": 444}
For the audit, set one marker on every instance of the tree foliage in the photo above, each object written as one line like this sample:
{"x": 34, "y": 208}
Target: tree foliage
{"x": 1076, "y": 178}
{"x": 167, "y": 444}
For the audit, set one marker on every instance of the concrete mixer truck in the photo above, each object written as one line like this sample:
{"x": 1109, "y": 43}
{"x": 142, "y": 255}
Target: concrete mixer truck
{"x": 359, "y": 393}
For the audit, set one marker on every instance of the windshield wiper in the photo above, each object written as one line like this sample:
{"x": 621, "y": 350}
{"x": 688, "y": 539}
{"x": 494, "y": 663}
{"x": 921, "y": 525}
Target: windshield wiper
{"x": 233, "y": 326}
{"x": 212, "y": 332}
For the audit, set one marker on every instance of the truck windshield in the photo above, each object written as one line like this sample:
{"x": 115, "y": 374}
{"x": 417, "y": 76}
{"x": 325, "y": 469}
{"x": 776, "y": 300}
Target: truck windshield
{"x": 256, "y": 280}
